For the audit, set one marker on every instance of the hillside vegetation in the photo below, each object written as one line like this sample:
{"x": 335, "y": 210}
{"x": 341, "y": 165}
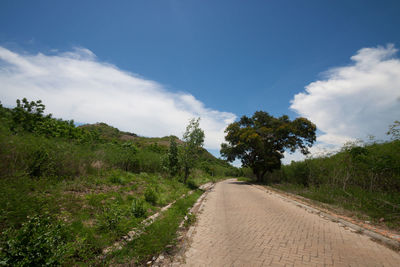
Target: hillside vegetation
{"x": 363, "y": 178}
{"x": 68, "y": 192}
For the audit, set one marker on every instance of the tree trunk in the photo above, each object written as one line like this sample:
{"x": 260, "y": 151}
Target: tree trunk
{"x": 260, "y": 176}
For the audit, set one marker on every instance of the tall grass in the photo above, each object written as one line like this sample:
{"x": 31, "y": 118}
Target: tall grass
{"x": 372, "y": 167}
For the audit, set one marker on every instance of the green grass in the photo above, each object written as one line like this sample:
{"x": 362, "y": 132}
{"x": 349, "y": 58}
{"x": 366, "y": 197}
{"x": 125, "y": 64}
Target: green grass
{"x": 95, "y": 211}
{"x": 158, "y": 235}
{"x": 95, "y": 182}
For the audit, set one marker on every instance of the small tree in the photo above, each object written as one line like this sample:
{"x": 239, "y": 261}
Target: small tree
{"x": 261, "y": 140}
{"x": 127, "y": 156}
{"x": 173, "y": 161}
{"x": 193, "y": 142}
{"x": 28, "y": 114}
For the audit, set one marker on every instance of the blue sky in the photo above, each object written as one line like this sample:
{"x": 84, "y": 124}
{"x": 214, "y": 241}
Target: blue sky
{"x": 230, "y": 56}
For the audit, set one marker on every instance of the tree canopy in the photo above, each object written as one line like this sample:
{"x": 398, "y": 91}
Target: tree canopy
{"x": 260, "y": 141}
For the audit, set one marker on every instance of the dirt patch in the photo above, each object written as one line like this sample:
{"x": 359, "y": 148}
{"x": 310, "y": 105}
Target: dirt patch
{"x": 126, "y": 137}
{"x": 98, "y": 190}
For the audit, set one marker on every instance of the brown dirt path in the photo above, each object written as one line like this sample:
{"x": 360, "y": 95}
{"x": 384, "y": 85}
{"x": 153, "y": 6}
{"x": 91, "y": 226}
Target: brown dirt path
{"x": 241, "y": 225}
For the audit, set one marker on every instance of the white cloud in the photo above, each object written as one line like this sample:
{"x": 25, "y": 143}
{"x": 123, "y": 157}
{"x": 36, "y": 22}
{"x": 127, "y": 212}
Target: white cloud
{"x": 354, "y": 101}
{"x": 76, "y": 85}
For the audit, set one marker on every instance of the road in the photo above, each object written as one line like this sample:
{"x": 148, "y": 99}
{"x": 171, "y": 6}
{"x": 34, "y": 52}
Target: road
{"x": 241, "y": 225}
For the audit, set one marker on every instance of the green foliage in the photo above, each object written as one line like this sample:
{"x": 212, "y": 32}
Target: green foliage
{"x": 158, "y": 235}
{"x": 150, "y": 195}
{"x": 38, "y": 156}
{"x": 40, "y": 163}
{"x": 173, "y": 160}
{"x": 109, "y": 218}
{"x": 121, "y": 155}
{"x": 85, "y": 177}
{"x": 116, "y": 178}
{"x": 260, "y": 141}
{"x": 27, "y": 114}
{"x": 373, "y": 167}
{"x": 39, "y": 242}
{"x": 149, "y": 161}
{"x": 107, "y": 133}
{"x": 193, "y": 141}
{"x": 138, "y": 209}
{"x": 28, "y": 117}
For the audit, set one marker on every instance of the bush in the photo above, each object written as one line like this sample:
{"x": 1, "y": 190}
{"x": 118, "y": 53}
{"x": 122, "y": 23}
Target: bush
{"x": 38, "y": 242}
{"x": 41, "y": 163}
{"x": 151, "y": 196}
{"x": 192, "y": 184}
{"x": 110, "y": 218}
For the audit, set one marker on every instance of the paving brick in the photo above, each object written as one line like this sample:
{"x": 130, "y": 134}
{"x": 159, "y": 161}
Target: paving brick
{"x": 241, "y": 225}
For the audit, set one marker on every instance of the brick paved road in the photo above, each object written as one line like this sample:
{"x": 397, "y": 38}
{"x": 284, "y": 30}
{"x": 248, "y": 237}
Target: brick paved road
{"x": 241, "y": 225}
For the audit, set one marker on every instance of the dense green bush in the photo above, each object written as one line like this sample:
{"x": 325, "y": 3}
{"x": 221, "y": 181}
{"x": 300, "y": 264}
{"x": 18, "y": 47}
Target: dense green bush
{"x": 39, "y": 242}
{"x": 29, "y": 117}
{"x": 150, "y": 195}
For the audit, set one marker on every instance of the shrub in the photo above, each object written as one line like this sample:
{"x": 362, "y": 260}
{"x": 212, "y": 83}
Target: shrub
{"x": 192, "y": 184}
{"x": 110, "y": 218}
{"x": 38, "y": 242}
{"x": 138, "y": 208}
{"x": 150, "y": 195}
{"x": 41, "y": 163}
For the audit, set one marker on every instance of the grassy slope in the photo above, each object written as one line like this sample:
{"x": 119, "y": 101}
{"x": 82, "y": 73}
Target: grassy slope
{"x": 85, "y": 188}
{"x": 95, "y": 211}
{"x": 157, "y": 236}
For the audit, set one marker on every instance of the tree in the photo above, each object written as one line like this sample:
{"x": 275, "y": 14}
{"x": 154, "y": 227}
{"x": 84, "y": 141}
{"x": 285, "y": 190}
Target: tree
{"x": 260, "y": 141}
{"x": 193, "y": 142}
{"x": 28, "y": 114}
{"x": 173, "y": 161}
{"x": 127, "y": 156}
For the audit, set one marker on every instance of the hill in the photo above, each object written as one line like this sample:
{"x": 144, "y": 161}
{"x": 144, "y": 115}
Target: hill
{"x": 67, "y": 192}
{"x": 208, "y": 163}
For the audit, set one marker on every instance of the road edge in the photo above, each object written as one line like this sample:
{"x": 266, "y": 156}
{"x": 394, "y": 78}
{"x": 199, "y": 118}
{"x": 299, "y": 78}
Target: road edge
{"x": 184, "y": 234}
{"x": 391, "y": 243}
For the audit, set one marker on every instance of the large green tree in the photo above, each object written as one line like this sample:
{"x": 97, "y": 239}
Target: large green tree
{"x": 193, "y": 139}
{"x": 260, "y": 141}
